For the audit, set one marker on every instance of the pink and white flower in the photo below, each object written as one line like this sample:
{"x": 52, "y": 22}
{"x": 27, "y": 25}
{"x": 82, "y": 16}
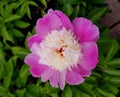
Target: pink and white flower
{"x": 63, "y": 52}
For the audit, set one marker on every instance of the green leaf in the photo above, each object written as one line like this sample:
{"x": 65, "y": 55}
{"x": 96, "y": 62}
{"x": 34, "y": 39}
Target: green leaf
{"x": 114, "y": 81}
{"x": 6, "y": 35}
{"x": 2, "y": 3}
{"x": 33, "y": 90}
{"x": 83, "y": 11}
{"x": 20, "y": 93}
{"x": 8, "y": 94}
{"x": 21, "y": 24}
{"x": 1, "y": 70}
{"x": 112, "y": 72}
{"x": 75, "y": 12}
{"x": 28, "y": 11}
{"x": 97, "y": 75}
{"x": 22, "y": 9}
{"x": 17, "y": 33}
{"x": 108, "y": 87}
{"x": 2, "y": 13}
{"x": 1, "y": 21}
{"x": 43, "y": 12}
{"x": 77, "y": 93}
{"x": 2, "y": 57}
{"x": 7, "y": 80}
{"x": 43, "y": 2}
{"x": 115, "y": 63}
{"x": 9, "y": 8}
{"x": 54, "y": 95}
{"x": 24, "y": 71}
{"x": 23, "y": 75}
{"x": 53, "y": 90}
{"x": 101, "y": 57}
{"x": 85, "y": 88}
{"x": 104, "y": 46}
{"x": 97, "y": 94}
{"x": 27, "y": 94}
{"x": 114, "y": 90}
{"x": 95, "y": 14}
{"x": 32, "y": 3}
{"x": 10, "y": 64}
{"x": 9, "y": 67}
{"x": 27, "y": 36}
{"x": 19, "y": 51}
{"x": 2, "y": 62}
{"x": 68, "y": 9}
{"x": 104, "y": 36}
{"x": 104, "y": 93}
{"x": 11, "y": 18}
{"x": 112, "y": 50}
{"x": 91, "y": 80}
{"x": 67, "y": 92}
{"x": 19, "y": 3}
{"x": 2, "y": 91}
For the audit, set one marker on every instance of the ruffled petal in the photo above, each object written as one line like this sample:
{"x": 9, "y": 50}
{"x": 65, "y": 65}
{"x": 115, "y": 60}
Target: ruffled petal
{"x": 35, "y": 49}
{"x": 54, "y": 80}
{"x": 74, "y": 78}
{"x": 84, "y": 30}
{"x": 48, "y": 23}
{"x": 37, "y": 70}
{"x": 64, "y": 19}
{"x": 62, "y": 79}
{"x": 81, "y": 71}
{"x": 33, "y": 39}
{"x": 90, "y": 55}
{"x": 46, "y": 74}
{"x": 55, "y": 77}
{"x": 31, "y": 60}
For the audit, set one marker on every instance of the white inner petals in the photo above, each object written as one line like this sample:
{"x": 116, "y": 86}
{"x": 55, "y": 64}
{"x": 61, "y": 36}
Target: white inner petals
{"x": 60, "y": 50}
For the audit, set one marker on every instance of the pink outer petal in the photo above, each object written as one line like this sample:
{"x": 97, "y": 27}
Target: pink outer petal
{"x": 56, "y": 78}
{"x": 47, "y": 23}
{"x": 35, "y": 49}
{"x": 31, "y": 60}
{"x": 62, "y": 79}
{"x": 90, "y": 55}
{"x": 84, "y": 30}
{"x": 81, "y": 71}
{"x": 73, "y": 78}
{"x": 36, "y": 68}
{"x": 64, "y": 19}
{"x": 33, "y": 39}
{"x": 52, "y": 75}
{"x": 46, "y": 74}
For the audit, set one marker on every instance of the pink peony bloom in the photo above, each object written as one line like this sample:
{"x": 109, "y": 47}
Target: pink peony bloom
{"x": 63, "y": 52}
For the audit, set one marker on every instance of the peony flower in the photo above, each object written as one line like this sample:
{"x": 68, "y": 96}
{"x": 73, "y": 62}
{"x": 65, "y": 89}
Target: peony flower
{"x": 63, "y": 52}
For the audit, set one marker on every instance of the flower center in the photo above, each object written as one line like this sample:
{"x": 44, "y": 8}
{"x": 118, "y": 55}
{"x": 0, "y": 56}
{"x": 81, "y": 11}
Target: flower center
{"x": 60, "y": 50}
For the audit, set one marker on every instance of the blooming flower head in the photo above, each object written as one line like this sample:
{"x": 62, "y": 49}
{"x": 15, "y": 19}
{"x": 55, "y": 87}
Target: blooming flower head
{"x": 63, "y": 51}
